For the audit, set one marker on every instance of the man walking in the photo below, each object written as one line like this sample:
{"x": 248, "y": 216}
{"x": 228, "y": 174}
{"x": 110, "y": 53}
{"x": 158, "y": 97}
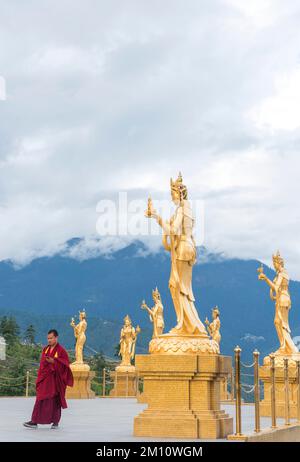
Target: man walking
{"x": 54, "y": 376}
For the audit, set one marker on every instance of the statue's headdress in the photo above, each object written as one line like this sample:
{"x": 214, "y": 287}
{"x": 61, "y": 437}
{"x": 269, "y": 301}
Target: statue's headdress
{"x": 179, "y": 187}
{"x": 277, "y": 258}
{"x": 156, "y": 293}
{"x": 127, "y": 318}
{"x": 216, "y": 310}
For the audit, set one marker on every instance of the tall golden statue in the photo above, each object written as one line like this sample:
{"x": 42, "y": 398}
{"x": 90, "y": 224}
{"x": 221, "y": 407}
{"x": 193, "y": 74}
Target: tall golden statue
{"x": 189, "y": 334}
{"x": 81, "y": 371}
{"x": 214, "y": 326}
{"x": 183, "y": 372}
{"x": 279, "y": 293}
{"x": 128, "y": 340}
{"x": 79, "y": 332}
{"x": 156, "y": 313}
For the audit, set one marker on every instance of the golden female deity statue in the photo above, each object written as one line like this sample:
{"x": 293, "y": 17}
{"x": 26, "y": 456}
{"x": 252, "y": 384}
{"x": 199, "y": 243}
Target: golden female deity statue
{"x": 279, "y": 293}
{"x": 214, "y": 326}
{"x": 128, "y": 340}
{"x": 189, "y": 334}
{"x": 79, "y": 332}
{"x": 156, "y": 313}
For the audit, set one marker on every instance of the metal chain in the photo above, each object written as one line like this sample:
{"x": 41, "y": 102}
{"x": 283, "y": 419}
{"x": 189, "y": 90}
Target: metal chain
{"x": 247, "y": 365}
{"x": 248, "y": 391}
{"x": 12, "y": 378}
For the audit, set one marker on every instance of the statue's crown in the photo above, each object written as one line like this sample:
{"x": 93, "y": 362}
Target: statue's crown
{"x": 127, "y": 318}
{"x": 177, "y": 184}
{"x": 156, "y": 292}
{"x": 216, "y": 310}
{"x": 277, "y": 258}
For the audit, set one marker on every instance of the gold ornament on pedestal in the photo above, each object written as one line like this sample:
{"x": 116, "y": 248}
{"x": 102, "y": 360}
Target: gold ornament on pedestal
{"x": 189, "y": 334}
{"x": 183, "y": 371}
{"x": 214, "y": 326}
{"x": 79, "y": 333}
{"x": 128, "y": 340}
{"x": 81, "y": 370}
{"x": 124, "y": 376}
{"x": 279, "y": 293}
{"x": 156, "y": 314}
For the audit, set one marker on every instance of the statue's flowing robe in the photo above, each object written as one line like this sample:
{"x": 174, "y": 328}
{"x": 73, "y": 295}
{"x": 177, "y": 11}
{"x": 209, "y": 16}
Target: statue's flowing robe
{"x": 51, "y": 384}
{"x": 282, "y": 308}
{"x": 183, "y": 253}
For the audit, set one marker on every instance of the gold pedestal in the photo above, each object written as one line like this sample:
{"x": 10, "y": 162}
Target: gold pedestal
{"x": 141, "y": 398}
{"x": 82, "y": 382}
{"x": 124, "y": 384}
{"x": 183, "y": 396}
{"x": 224, "y": 395}
{"x": 265, "y": 404}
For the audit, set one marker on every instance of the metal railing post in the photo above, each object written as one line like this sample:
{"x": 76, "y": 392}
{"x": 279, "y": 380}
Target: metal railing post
{"x": 273, "y": 390}
{"x": 256, "y": 390}
{"x": 298, "y": 391}
{"x": 27, "y": 384}
{"x": 103, "y": 383}
{"x": 238, "y": 397}
{"x": 287, "y": 391}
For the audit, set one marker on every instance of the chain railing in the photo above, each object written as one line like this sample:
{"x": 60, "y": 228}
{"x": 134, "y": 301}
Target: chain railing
{"x": 274, "y": 390}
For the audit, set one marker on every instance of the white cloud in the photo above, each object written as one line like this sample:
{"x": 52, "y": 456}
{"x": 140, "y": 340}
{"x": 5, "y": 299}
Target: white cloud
{"x": 121, "y": 97}
{"x": 250, "y": 338}
{"x": 282, "y": 110}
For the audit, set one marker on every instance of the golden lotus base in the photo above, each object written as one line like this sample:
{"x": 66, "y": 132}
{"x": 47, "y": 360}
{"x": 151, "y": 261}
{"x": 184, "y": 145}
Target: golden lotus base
{"x": 183, "y": 396}
{"x": 124, "y": 384}
{"x": 183, "y": 344}
{"x": 265, "y": 404}
{"x": 82, "y": 384}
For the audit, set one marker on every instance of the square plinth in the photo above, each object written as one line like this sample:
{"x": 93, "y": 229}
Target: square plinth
{"x": 183, "y": 396}
{"x": 82, "y": 385}
{"x": 125, "y": 384}
{"x": 265, "y": 404}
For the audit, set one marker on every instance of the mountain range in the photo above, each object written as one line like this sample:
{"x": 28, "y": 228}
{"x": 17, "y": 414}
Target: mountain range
{"x": 50, "y": 290}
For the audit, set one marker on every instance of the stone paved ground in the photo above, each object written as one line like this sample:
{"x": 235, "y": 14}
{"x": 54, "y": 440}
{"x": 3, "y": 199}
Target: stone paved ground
{"x": 100, "y": 420}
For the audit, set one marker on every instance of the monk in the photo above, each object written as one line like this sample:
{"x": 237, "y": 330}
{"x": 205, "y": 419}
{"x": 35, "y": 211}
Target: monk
{"x": 54, "y": 376}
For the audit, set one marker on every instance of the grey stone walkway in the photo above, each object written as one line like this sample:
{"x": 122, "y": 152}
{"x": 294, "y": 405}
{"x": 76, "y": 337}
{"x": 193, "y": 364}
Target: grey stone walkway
{"x": 98, "y": 420}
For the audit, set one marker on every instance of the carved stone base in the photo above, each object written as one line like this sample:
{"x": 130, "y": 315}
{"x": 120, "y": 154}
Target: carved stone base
{"x": 224, "y": 395}
{"x": 168, "y": 344}
{"x": 124, "y": 384}
{"x": 183, "y": 396}
{"x": 141, "y": 398}
{"x": 82, "y": 383}
{"x": 279, "y": 360}
{"x": 265, "y": 404}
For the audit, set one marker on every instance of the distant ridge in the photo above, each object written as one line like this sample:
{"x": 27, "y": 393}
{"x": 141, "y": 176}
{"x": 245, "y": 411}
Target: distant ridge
{"x": 50, "y": 290}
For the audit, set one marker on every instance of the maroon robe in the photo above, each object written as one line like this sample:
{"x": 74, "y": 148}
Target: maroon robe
{"x": 51, "y": 384}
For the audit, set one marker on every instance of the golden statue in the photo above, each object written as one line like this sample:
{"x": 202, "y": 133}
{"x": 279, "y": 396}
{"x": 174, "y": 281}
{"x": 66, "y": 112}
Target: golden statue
{"x": 128, "y": 340}
{"x": 214, "y": 326}
{"x": 79, "y": 332}
{"x": 189, "y": 334}
{"x": 156, "y": 314}
{"x": 279, "y": 293}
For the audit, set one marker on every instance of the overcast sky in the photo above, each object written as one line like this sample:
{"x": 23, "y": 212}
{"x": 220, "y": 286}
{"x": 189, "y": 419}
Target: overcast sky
{"x": 109, "y": 96}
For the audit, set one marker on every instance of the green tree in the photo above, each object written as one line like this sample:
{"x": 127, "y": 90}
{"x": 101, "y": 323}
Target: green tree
{"x": 117, "y": 351}
{"x": 29, "y": 335}
{"x": 9, "y": 329}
